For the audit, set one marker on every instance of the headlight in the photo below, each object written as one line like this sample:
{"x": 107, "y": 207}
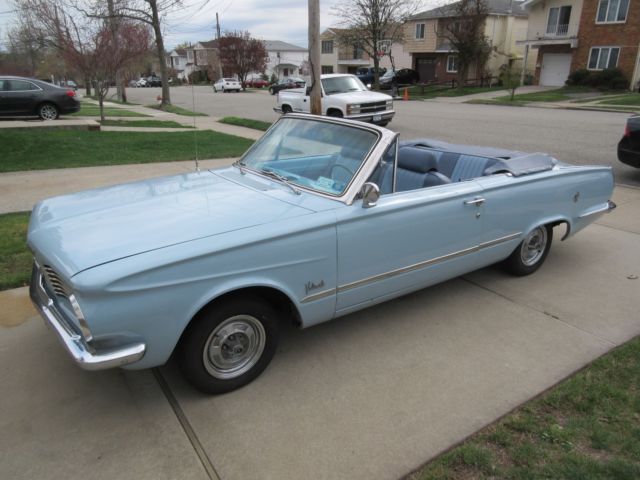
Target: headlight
{"x": 353, "y": 109}
{"x": 389, "y": 104}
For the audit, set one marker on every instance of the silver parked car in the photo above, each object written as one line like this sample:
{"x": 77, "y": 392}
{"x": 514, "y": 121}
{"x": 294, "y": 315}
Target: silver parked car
{"x": 227, "y": 85}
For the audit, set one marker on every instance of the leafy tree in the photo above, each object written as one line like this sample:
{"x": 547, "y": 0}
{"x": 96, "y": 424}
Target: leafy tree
{"x": 240, "y": 54}
{"x": 367, "y": 22}
{"x": 463, "y": 28}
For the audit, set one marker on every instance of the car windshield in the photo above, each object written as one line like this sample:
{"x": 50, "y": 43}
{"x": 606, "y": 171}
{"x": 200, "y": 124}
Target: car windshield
{"x": 230, "y": 79}
{"x": 342, "y": 85}
{"x": 313, "y": 154}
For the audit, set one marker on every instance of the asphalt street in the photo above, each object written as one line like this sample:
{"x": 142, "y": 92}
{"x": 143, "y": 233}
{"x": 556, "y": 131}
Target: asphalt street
{"x": 573, "y": 136}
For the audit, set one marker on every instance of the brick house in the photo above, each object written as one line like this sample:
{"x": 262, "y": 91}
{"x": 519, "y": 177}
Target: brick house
{"x": 435, "y": 60}
{"x": 575, "y": 34}
{"x": 609, "y": 36}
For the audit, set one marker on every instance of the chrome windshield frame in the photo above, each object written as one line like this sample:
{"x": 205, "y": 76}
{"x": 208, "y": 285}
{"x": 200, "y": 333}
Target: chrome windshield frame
{"x": 383, "y": 141}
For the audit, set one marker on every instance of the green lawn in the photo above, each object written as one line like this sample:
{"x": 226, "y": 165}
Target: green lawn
{"x": 587, "y": 428}
{"x": 15, "y": 258}
{"x": 93, "y": 110}
{"x": 632, "y": 99}
{"x": 144, "y": 123}
{"x": 440, "y": 91}
{"x": 26, "y": 149}
{"x": 558, "y": 95}
{"x": 178, "y": 110}
{"x": 246, "y": 122}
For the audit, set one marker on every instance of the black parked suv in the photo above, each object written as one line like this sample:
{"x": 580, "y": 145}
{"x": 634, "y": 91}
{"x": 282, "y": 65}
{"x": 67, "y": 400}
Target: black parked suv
{"x": 27, "y": 97}
{"x": 153, "y": 81}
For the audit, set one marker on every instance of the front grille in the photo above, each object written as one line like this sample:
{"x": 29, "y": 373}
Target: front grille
{"x": 373, "y": 107}
{"x": 53, "y": 281}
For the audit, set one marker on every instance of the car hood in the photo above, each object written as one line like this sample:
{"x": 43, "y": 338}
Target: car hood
{"x": 361, "y": 97}
{"x": 75, "y": 232}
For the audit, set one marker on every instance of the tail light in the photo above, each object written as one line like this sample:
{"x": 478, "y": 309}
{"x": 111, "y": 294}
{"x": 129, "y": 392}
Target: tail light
{"x": 627, "y": 130}
{"x": 70, "y": 93}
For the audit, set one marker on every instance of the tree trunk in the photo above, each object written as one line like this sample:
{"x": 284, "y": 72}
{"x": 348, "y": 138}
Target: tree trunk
{"x": 166, "y": 96}
{"x": 376, "y": 74}
{"x": 87, "y": 86}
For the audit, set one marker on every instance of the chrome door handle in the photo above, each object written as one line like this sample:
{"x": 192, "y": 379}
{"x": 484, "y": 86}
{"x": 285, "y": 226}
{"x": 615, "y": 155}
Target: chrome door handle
{"x": 476, "y": 201}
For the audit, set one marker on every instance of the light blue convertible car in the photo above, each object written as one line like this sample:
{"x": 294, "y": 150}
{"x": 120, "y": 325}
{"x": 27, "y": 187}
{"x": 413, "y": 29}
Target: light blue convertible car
{"x": 321, "y": 217}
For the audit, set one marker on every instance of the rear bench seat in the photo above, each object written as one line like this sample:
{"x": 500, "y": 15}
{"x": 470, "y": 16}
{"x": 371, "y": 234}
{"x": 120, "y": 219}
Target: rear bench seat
{"x": 420, "y": 167}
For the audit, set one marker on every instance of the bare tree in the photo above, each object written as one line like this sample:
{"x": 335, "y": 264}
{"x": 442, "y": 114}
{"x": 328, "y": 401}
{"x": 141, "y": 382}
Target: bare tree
{"x": 463, "y": 28}
{"x": 367, "y": 22}
{"x": 240, "y": 54}
{"x": 88, "y": 44}
{"x": 149, "y": 12}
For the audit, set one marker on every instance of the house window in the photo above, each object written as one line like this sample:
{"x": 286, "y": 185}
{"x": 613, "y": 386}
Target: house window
{"x": 285, "y": 72}
{"x": 190, "y": 55}
{"x": 558, "y": 22}
{"x": 327, "y": 69}
{"x": 419, "y": 31}
{"x": 452, "y": 64}
{"x": 612, "y": 11}
{"x": 358, "y": 52}
{"x": 603, "y": 57}
{"x": 327, "y": 46}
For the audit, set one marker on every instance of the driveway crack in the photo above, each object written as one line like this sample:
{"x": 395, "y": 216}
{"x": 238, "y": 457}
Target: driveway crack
{"x": 186, "y": 426}
{"x": 543, "y": 312}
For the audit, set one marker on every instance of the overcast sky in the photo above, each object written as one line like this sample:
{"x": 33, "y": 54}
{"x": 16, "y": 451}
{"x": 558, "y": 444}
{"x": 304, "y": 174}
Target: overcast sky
{"x": 284, "y": 20}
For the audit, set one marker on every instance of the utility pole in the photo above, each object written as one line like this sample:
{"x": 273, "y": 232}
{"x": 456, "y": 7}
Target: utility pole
{"x": 218, "y": 46}
{"x": 315, "y": 95}
{"x": 113, "y": 26}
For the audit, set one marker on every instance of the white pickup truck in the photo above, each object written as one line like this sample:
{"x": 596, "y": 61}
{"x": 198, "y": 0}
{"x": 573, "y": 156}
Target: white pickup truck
{"x": 343, "y": 95}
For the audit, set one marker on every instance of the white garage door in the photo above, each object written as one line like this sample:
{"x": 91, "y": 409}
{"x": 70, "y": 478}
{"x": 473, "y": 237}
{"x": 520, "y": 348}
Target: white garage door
{"x": 555, "y": 69}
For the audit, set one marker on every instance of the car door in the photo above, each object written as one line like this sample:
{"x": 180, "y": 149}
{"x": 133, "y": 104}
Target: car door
{"x": 21, "y": 97}
{"x": 407, "y": 241}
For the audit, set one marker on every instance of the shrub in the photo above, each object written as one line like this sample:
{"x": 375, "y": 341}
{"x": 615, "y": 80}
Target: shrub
{"x": 608, "y": 79}
{"x": 578, "y": 77}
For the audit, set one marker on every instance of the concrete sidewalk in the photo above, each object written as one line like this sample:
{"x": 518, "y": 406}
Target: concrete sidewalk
{"x": 198, "y": 122}
{"x": 489, "y": 95}
{"x": 372, "y": 395}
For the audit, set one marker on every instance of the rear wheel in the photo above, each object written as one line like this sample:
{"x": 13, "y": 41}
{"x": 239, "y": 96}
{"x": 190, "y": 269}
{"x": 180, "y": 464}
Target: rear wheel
{"x": 286, "y": 109}
{"x": 48, "y": 111}
{"x": 229, "y": 344}
{"x": 531, "y": 253}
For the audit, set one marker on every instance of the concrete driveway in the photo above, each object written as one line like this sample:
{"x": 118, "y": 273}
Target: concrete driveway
{"x": 372, "y": 395}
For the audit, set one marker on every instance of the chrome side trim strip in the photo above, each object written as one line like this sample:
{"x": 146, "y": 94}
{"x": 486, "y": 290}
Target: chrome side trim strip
{"x": 607, "y": 208}
{"x": 319, "y": 295}
{"x": 498, "y": 241}
{"x": 426, "y": 263}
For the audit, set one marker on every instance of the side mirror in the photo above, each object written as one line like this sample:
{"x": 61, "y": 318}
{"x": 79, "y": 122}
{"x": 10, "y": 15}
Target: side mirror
{"x": 369, "y": 86}
{"x": 370, "y": 194}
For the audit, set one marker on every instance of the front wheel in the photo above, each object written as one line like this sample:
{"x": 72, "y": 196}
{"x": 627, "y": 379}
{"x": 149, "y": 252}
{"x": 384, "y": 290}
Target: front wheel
{"x": 531, "y": 253}
{"x": 229, "y": 344}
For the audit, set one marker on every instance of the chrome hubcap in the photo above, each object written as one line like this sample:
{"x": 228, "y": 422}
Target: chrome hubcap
{"x": 234, "y": 347}
{"x": 48, "y": 112}
{"x": 533, "y": 246}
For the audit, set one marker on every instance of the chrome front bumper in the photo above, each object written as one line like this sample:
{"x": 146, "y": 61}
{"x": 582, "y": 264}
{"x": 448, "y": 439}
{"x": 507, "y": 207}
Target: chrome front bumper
{"x": 85, "y": 354}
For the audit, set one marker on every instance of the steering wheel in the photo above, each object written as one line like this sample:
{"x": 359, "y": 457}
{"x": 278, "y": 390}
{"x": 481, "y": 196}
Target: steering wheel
{"x": 339, "y": 165}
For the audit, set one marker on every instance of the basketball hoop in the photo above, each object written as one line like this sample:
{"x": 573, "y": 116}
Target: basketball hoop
{"x": 384, "y": 48}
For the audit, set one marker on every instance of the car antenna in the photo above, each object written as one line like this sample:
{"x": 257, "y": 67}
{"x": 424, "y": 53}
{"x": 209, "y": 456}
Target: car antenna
{"x": 195, "y": 130}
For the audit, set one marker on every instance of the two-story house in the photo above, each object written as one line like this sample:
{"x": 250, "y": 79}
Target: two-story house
{"x": 436, "y": 60}
{"x": 177, "y": 61}
{"x": 337, "y": 57}
{"x": 285, "y": 59}
{"x": 575, "y": 34}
